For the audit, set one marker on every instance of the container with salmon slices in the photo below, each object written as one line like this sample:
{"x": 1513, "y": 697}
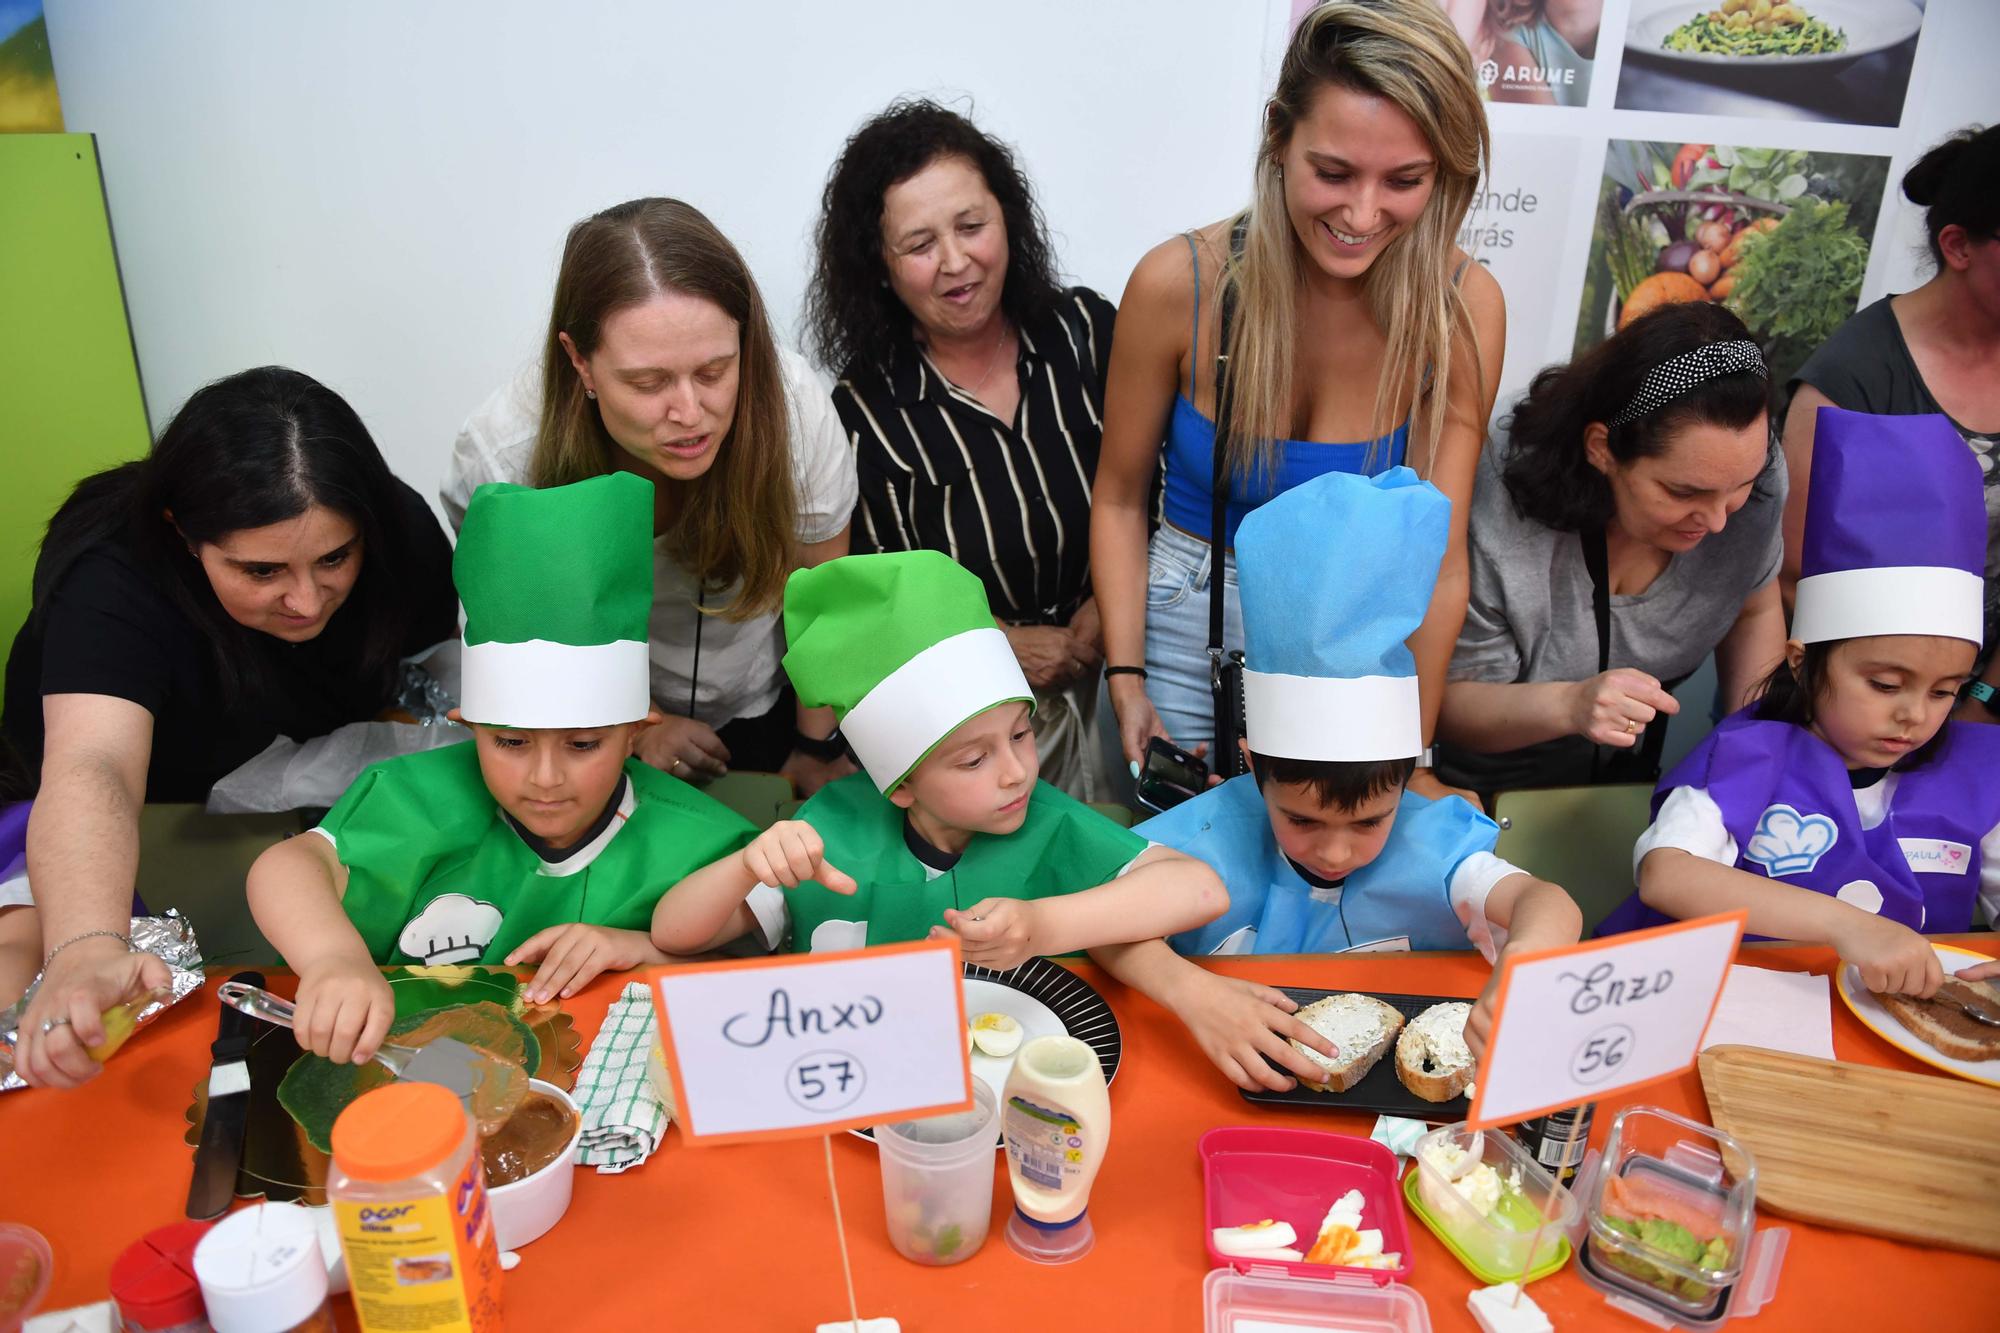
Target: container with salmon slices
{"x": 1670, "y": 1214}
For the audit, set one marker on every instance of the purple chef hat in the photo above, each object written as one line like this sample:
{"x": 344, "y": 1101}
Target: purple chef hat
{"x": 1895, "y": 531}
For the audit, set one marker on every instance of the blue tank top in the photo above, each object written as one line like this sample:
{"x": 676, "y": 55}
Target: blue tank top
{"x": 1190, "y": 445}
{"x": 1187, "y": 500}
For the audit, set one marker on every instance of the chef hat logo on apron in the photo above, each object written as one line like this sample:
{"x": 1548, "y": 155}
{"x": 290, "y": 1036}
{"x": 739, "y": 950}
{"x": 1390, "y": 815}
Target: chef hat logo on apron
{"x": 452, "y": 928}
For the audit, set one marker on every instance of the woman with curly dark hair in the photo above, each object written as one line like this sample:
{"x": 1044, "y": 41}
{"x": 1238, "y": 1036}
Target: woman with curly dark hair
{"x": 1627, "y": 525}
{"x": 934, "y": 280}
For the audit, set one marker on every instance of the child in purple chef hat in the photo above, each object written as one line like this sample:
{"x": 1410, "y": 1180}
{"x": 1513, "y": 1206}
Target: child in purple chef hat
{"x": 1842, "y": 807}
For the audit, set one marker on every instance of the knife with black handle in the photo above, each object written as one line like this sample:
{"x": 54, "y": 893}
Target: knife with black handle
{"x": 220, "y": 1152}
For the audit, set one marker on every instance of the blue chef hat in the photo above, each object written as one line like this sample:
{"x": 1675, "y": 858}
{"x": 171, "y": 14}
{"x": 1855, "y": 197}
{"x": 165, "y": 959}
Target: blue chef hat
{"x": 1895, "y": 539}
{"x": 1335, "y": 574}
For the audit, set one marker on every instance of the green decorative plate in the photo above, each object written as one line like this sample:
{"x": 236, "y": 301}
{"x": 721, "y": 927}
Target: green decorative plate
{"x": 280, "y": 1162}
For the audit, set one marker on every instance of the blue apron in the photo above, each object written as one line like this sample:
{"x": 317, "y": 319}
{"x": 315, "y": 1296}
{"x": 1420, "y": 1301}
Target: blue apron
{"x": 1400, "y": 900}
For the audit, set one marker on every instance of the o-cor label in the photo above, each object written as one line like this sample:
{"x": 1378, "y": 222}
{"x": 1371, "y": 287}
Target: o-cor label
{"x": 426, "y": 1266}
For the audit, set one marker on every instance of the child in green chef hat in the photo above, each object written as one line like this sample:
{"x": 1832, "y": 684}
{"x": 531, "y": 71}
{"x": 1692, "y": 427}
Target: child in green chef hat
{"x": 541, "y": 840}
{"x": 947, "y": 830}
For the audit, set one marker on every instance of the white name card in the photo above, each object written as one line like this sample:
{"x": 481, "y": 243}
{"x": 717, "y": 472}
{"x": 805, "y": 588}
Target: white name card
{"x": 809, "y": 1044}
{"x": 1576, "y": 1024}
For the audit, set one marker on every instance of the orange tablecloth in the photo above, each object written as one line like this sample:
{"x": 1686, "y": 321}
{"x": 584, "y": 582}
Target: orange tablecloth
{"x": 742, "y": 1237}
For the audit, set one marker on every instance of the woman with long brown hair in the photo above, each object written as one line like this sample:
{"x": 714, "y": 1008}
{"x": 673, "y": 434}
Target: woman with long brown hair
{"x": 1356, "y": 319}
{"x": 660, "y": 361}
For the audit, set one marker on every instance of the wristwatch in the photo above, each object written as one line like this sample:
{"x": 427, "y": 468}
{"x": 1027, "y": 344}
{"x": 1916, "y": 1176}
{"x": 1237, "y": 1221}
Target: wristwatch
{"x": 1988, "y": 697}
{"x": 826, "y": 749}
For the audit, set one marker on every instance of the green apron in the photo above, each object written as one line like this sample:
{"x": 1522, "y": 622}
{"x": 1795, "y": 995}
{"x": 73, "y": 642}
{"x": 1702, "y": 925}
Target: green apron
{"x": 1062, "y": 846}
{"x": 437, "y": 875}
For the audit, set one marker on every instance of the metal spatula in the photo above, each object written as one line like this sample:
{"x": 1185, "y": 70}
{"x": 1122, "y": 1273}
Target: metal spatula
{"x": 487, "y": 1086}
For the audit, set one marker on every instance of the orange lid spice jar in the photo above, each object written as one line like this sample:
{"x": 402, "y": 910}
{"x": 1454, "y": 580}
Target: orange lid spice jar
{"x": 409, "y": 1200}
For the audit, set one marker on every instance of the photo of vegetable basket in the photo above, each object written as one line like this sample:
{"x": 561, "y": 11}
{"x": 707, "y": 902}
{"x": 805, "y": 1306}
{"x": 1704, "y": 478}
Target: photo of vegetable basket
{"x": 1780, "y": 236}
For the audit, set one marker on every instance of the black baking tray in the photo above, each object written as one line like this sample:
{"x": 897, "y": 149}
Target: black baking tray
{"x": 1381, "y": 1092}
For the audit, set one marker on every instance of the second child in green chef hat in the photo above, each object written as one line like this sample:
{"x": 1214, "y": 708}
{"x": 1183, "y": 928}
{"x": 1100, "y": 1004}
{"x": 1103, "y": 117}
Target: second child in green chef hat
{"x": 947, "y": 829}
{"x": 541, "y": 839}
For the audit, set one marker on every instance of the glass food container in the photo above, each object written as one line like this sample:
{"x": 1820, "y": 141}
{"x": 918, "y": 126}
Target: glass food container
{"x": 1671, "y": 1212}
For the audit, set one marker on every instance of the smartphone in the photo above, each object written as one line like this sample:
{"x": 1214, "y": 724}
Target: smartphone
{"x": 1169, "y": 776}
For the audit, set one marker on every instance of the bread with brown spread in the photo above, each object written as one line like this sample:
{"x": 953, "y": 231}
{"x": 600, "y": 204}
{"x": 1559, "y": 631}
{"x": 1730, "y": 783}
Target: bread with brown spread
{"x": 1956, "y": 1034}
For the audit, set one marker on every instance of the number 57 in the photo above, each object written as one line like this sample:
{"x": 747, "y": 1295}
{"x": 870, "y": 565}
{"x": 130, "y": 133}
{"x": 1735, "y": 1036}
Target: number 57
{"x": 813, "y": 1086}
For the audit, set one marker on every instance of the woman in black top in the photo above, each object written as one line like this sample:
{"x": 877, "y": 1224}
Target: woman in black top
{"x": 260, "y": 573}
{"x": 1935, "y": 349}
{"x": 934, "y": 276}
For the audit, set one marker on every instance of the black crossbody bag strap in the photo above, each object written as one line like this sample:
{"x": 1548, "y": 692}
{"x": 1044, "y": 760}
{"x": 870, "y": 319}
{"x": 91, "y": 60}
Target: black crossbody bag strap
{"x": 1643, "y": 758}
{"x": 1225, "y": 669}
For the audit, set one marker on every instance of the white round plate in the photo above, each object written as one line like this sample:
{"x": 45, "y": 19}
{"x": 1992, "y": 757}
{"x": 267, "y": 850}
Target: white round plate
{"x": 1890, "y": 1028}
{"x": 1036, "y": 1020}
{"x": 1870, "y": 25}
{"x": 1047, "y": 1000}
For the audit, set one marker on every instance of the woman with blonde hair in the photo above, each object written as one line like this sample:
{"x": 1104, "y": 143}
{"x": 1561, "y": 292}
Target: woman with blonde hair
{"x": 1350, "y": 333}
{"x": 660, "y": 361}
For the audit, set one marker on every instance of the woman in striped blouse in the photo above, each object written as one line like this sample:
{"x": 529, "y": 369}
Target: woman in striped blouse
{"x": 971, "y": 386}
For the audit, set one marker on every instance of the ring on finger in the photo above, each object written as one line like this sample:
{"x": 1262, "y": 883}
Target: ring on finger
{"x": 51, "y": 1024}
{"x": 1632, "y": 726}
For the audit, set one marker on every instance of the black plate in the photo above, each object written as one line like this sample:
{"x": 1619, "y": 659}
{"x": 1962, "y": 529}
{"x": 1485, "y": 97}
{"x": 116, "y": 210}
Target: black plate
{"x": 1085, "y": 1014}
{"x": 1381, "y": 1092}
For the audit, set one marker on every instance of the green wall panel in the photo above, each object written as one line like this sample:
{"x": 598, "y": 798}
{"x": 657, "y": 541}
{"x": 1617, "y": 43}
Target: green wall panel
{"x": 70, "y": 402}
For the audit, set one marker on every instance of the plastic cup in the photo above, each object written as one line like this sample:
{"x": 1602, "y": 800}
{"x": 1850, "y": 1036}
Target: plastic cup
{"x": 937, "y": 1180}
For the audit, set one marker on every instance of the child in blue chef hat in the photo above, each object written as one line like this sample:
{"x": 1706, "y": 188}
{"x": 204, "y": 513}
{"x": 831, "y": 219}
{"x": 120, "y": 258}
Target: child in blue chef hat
{"x": 1321, "y": 846}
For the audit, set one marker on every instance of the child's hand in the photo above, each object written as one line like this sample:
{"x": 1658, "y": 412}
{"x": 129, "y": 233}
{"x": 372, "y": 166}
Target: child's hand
{"x": 571, "y": 957}
{"x": 1979, "y": 971}
{"x": 1243, "y": 1027}
{"x": 998, "y": 932}
{"x": 790, "y": 852}
{"x": 1892, "y": 957}
{"x": 1479, "y": 1023}
{"x": 343, "y": 1011}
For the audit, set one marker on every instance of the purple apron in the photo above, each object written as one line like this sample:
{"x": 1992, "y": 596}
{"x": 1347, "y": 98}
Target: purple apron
{"x": 14, "y": 838}
{"x": 1786, "y": 800}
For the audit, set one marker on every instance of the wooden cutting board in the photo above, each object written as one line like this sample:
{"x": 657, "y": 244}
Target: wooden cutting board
{"x": 1909, "y": 1156}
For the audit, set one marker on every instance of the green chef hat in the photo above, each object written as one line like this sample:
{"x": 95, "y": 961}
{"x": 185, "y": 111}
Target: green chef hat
{"x": 903, "y": 647}
{"x": 557, "y": 586}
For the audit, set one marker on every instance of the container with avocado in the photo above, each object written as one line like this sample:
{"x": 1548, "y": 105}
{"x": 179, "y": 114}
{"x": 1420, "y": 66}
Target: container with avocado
{"x": 1673, "y": 1239}
{"x": 1671, "y": 1215}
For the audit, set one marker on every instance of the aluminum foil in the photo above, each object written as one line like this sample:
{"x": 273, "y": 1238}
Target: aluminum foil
{"x": 168, "y": 937}
{"x": 424, "y": 696}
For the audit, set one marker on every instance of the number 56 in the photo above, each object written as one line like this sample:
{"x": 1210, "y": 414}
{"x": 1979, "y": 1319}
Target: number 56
{"x": 1601, "y": 1053}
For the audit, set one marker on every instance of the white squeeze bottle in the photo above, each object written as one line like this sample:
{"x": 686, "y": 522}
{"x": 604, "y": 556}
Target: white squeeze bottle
{"x": 1056, "y": 1117}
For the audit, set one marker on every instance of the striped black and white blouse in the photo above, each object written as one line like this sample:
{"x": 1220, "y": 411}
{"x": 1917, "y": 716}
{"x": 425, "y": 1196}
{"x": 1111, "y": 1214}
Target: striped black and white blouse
{"x": 1008, "y": 500}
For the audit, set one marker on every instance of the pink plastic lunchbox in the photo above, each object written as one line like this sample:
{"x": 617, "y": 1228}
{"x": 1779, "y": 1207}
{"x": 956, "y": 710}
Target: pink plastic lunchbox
{"x": 1294, "y": 1175}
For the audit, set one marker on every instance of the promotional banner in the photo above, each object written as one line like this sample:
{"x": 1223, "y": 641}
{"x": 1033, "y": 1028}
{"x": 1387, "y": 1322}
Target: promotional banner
{"x": 1780, "y": 236}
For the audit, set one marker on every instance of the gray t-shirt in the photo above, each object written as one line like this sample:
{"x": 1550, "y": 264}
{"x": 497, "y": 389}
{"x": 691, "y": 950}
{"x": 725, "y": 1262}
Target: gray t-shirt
{"x": 1528, "y": 618}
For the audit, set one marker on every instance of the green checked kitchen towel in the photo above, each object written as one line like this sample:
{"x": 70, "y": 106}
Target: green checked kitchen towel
{"x": 623, "y": 1118}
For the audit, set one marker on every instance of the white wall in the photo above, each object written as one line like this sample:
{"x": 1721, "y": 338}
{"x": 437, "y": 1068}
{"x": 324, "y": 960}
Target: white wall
{"x": 376, "y": 193}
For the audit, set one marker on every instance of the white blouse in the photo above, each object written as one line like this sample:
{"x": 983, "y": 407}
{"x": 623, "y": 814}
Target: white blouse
{"x": 738, "y": 674}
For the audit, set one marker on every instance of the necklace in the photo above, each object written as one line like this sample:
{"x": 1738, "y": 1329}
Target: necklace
{"x": 992, "y": 361}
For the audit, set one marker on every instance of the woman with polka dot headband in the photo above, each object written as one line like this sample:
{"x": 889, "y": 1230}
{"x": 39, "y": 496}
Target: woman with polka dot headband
{"x": 1626, "y": 525}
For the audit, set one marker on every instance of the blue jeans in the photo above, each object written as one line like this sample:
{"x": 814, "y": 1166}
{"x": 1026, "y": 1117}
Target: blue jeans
{"x": 1177, "y": 593}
